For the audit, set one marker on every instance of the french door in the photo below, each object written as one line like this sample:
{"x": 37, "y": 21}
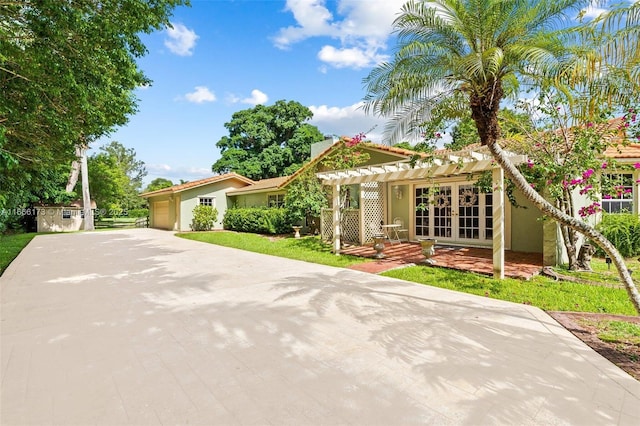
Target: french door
{"x": 453, "y": 212}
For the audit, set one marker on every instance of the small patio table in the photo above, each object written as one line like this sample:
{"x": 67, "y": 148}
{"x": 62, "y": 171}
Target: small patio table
{"x": 390, "y": 231}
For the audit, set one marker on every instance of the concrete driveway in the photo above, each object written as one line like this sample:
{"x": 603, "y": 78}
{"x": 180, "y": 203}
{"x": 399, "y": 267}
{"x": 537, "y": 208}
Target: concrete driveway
{"x": 141, "y": 327}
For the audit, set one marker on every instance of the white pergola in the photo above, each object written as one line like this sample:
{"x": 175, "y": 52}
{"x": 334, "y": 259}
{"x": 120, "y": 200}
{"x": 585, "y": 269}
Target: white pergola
{"x": 432, "y": 167}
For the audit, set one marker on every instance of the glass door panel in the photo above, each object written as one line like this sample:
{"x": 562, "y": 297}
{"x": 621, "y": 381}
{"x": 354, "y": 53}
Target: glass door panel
{"x": 442, "y": 209}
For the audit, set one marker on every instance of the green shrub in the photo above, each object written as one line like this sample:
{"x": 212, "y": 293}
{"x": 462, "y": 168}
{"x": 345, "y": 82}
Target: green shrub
{"x": 623, "y": 230}
{"x": 138, "y": 213}
{"x": 204, "y": 217}
{"x": 258, "y": 220}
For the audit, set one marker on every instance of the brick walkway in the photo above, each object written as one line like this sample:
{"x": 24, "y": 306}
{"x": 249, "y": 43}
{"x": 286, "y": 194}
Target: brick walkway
{"x": 479, "y": 260}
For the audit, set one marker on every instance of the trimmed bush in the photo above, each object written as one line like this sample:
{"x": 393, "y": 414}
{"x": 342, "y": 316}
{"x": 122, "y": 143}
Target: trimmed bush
{"x": 258, "y": 220}
{"x": 204, "y": 217}
{"x": 138, "y": 213}
{"x": 623, "y": 230}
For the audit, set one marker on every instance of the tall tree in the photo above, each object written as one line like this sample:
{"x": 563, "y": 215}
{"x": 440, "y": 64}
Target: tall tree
{"x": 468, "y": 55}
{"x": 158, "y": 183}
{"x": 115, "y": 178}
{"x": 67, "y": 74}
{"x": 267, "y": 141}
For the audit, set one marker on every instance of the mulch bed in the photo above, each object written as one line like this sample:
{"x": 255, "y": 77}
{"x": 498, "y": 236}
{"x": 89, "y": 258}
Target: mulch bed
{"x": 625, "y": 356}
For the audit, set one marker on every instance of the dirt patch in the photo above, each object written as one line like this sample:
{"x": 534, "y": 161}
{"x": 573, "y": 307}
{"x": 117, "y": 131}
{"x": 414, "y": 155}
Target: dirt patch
{"x": 581, "y": 324}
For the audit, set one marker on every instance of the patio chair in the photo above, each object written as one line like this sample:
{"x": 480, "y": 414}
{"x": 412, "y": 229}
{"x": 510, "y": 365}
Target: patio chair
{"x": 401, "y": 230}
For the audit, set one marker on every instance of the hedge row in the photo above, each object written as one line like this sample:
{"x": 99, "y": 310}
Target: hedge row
{"x": 257, "y": 220}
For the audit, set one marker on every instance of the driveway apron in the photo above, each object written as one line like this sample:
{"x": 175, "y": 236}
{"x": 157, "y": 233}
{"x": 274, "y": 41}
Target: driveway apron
{"x": 142, "y": 327}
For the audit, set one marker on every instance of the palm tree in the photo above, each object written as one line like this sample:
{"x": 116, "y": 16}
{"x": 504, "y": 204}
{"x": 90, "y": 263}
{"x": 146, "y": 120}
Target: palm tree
{"x": 456, "y": 55}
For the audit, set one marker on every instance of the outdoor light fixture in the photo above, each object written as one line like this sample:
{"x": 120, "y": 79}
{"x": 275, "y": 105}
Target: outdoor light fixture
{"x": 398, "y": 191}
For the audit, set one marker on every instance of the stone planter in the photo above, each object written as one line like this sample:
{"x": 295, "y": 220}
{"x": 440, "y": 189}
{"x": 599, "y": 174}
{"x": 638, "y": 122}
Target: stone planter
{"x": 297, "y": 229}
{"x": 428, "y": 250}
{"x": 378, "y": 246}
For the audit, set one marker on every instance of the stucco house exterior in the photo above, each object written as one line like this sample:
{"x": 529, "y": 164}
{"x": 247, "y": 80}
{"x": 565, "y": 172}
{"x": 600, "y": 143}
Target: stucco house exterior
{"x": 171, "y": 208}
{"x": 67, "y": 217}
{"x": 432, "y": 195}
{"x": 262, "y": 193}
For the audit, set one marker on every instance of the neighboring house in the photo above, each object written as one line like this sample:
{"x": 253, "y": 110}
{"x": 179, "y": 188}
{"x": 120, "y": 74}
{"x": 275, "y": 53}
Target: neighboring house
{"x": 67, "y": 217}
{"x": 172, "y": 208}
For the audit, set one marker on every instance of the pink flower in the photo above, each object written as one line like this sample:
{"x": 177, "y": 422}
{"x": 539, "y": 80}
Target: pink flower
{"x": 606, "y": 196}
{"x": 589, "y": 124}
{"x": 587, "y": 174}
{"x": 637, "y": 165}
{"x": 575, "y": 181}
{"x": 585, "y": 189}
{"x": 604, "y": 165}
{"x": 530, "y": 163}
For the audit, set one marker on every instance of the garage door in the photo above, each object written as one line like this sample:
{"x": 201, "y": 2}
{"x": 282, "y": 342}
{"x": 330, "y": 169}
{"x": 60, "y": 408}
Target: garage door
{"x": 161, "y": 214}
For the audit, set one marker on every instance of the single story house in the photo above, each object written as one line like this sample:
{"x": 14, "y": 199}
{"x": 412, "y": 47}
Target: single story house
{"x": 67, "y": 217}
{"x": 172, "y": 208}
{"x": 431, "y": 195}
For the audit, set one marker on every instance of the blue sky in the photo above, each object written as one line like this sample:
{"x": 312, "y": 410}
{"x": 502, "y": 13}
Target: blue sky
{"x": 223, "y": 56}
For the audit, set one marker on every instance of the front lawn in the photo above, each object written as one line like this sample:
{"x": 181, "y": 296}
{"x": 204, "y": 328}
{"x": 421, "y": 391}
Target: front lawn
{"x": 545, "y": 293}
{"x": 10, "y": 246}
{"x": 309, "y": 249}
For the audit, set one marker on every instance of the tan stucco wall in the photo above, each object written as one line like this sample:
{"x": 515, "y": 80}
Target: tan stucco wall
{"x": 526, "y": 229}
{"x": 50, "y": 219}
{"x": 250, "y": 200}
{"x": 189, "y": 200}
{"x": 400, "y": 208}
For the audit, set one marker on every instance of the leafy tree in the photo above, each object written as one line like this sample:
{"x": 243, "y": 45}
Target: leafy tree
{"x": 455, "y": 56}
{"x": 305, "y": 197}
{"x": 158, "y": 183}
{"x": 267, "y": 141}
{"x": 67, "y": 74}
{"x": 115, "y": 178}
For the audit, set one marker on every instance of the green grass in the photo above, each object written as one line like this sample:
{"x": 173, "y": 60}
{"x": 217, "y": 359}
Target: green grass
{"x": 11, "y": 246}
{"x": 605, "y": 274}
{"x": 309, "y": 249}
{"x": 542, "y": 292}
{"x": 618, "y": 332}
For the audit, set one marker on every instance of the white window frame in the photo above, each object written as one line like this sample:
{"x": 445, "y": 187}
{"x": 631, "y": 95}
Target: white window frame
{"x": 279, "y": 200}
{"x": 207, "y": 201}
{"x": 625, "y": 199}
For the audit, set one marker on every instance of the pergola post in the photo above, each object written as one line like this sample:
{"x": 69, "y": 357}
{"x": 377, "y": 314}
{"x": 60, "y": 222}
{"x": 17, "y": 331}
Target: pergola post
{"x": 336, "y": 219}
{"x": 498, "y": 223}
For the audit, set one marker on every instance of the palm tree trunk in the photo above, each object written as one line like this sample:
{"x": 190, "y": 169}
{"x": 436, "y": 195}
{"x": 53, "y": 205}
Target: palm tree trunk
{"x": 584, "y": 228}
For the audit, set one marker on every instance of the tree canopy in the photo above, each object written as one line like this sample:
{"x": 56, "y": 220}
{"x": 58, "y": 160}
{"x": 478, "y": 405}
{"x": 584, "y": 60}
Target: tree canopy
{"x": 158, "y": 183}
{"x": 67, "y": 74}
{"x": 267, "y": 141}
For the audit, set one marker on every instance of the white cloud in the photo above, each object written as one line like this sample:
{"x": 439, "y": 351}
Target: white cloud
{"x": 200, "y": 94}
{"x": 349, "y": 58}
{"x": 181, "y": 40}
{"x": 361, "y": 29}
{"x": 347, "y": 121}
{"x": 175, "y": 173}
{"x": 257, "y": 97}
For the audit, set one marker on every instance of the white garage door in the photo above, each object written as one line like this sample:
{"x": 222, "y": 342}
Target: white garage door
{"x": 161, "y": 214}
